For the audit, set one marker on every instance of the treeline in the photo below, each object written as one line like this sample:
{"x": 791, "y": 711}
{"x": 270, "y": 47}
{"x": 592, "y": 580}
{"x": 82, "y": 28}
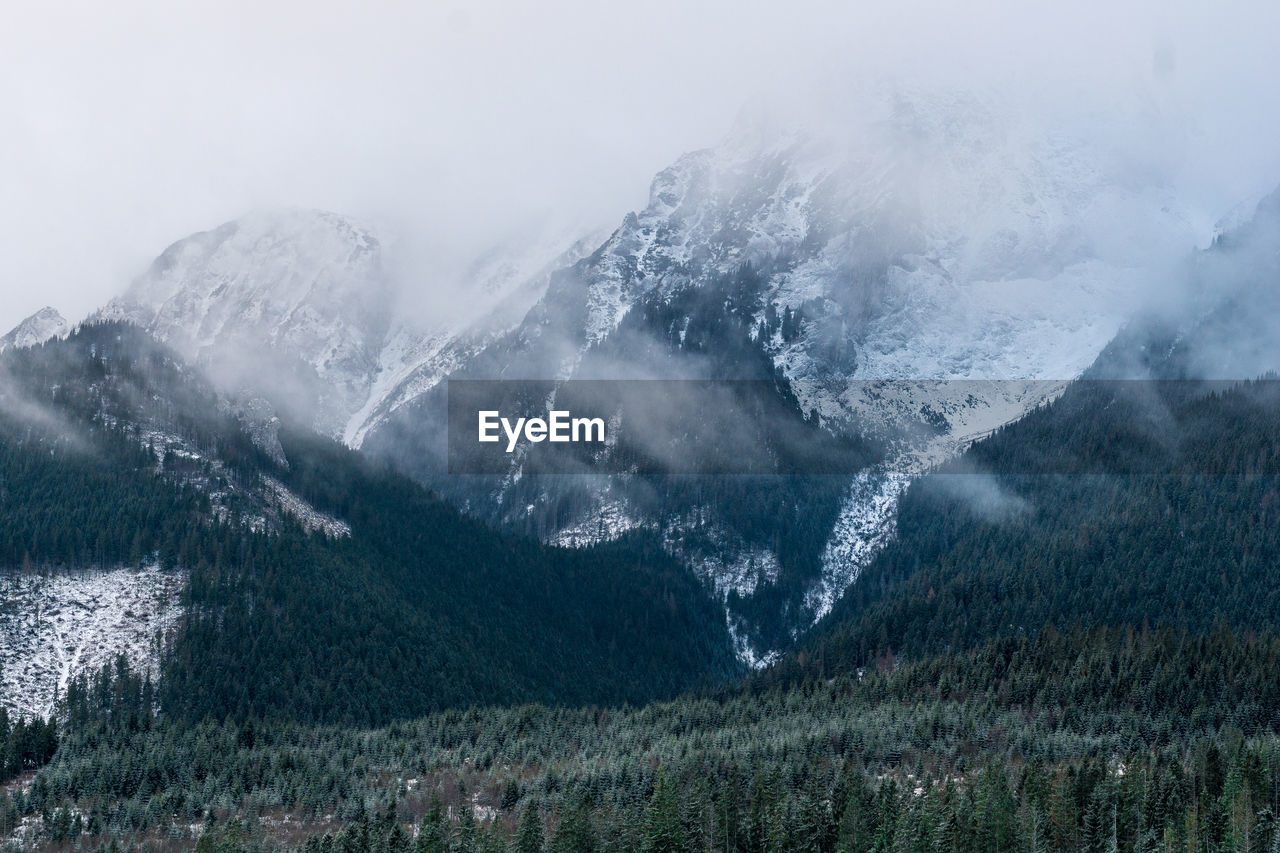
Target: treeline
{"x": 1213, "y": 800}
{"x": 1184, "y": 680}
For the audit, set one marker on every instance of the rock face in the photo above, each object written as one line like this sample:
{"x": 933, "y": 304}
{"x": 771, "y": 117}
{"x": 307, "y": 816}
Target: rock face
{"x": 946, "y": 241}
{"x": 41, "y": 326}
{"x": 295, "y": 304}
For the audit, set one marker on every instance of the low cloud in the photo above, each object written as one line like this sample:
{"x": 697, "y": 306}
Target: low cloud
{"x": 457, "y": 124}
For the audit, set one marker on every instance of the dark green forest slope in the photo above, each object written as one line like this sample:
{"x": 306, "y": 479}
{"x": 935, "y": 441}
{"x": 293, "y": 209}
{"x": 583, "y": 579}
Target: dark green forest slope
{"x": 1191, "y": 538}
{"x": 726, "y": 407}
{"x": 1148, "y": 492}
{"x": 417, "y": 609}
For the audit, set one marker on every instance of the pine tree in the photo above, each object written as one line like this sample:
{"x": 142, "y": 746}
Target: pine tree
{"x": 574, "y": 833}
{"x": 464, "y": 837}
{"x": 433, "y": 835}
{"x": 529, "y": 836}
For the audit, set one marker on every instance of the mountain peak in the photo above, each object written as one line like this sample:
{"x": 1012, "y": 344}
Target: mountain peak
{"x": 39, "y": 327}
{"x": 295, "y": 298}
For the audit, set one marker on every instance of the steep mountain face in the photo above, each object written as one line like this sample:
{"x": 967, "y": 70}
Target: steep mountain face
{"x": 883, "y": 275}
{"x": 501, "y": 287}
{"x": 313, "y": 583}
{"x": 892, "y": 272}
{"x": 298, "y": 307}
{"x": 1146, "y": 493}
{"x": 295, "y": 304}
{"x": 41, "y": 326}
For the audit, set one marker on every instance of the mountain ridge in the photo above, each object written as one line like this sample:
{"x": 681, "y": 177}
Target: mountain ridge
{"x": 314, "y": 585}
{"x": 948, "y": 240}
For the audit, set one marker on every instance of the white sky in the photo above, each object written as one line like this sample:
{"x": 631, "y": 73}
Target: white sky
{"x": 126, "y": 126}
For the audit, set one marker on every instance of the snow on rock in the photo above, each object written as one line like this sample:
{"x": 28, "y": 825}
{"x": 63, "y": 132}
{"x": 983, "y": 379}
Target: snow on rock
{"x": 41, "y": 326}
{"x": 738, "y": 570}
{"x": 54, "y": 627}
{"x": 258, "y": 418}
{"x": 502, "y": 286}
{"x": 272, "y": 498}
{"x": 258, "y": 299}
{"x": 607, "y": 522}
{"x": 865, "y": 525}
{"x": 744, "y": 649}
{"x": 967, "y": 410}
{"x": 309, "y": 517}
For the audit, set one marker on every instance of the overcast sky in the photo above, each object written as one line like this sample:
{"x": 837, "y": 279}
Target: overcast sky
{"x": 127, "y": 125}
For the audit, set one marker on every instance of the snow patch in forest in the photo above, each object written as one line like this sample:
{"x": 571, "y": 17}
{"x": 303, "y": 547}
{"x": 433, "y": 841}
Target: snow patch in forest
{"x": 605, "y": 523}
{"x": 56, "y": 626}
{"x": 304, "y": 513}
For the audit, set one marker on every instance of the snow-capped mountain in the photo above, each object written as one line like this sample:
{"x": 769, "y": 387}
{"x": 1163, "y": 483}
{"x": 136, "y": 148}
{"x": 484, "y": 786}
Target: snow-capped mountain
{"x": 948, "y": 241}
{"x": 41, "y": 326}
{"x": 295, "y": 303}
{"x": 299, "y": 306}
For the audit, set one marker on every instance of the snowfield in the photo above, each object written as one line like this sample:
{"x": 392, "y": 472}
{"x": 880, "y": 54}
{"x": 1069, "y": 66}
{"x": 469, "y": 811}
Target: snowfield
{"x": 55, "y": 626}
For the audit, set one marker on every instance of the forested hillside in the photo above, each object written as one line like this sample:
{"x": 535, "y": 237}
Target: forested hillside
{"x": 1069, "y": 741}
{"x": 708, "y": 443}
{"x": 1120, "y": 503}
{"x": 1148, "y": 492}
{"x": 114, "y": 452}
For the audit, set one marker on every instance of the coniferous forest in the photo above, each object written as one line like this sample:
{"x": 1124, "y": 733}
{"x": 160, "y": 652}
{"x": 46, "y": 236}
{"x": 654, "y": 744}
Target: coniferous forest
{"x": 1101, "y": 740}
{"x": 1072, "y": 643}
{"x": 762, "y": 426}
{"x": 419, "y": 608}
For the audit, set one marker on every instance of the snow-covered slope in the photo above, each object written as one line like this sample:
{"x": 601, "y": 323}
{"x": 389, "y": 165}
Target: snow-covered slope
{"x": 298, "y": 306}
{"x": 41, "y": 326}
{"x": 54, "y": 627}
{"x": 295, "y": 303}
{"x": 500, "y": 288}
{"x": 948, "y": 239}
